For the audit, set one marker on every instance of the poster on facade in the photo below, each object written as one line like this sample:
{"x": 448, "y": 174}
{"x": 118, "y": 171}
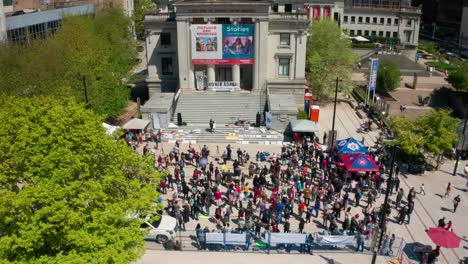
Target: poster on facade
{"x": 200, "y": 79}
{"x": 222, "y": 44}
{"x": 268, "y": 120}
{"x": 373, "y": 74}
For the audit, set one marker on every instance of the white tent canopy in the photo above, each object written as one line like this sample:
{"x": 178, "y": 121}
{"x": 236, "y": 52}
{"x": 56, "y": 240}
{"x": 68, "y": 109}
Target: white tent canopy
{"x": 136, "y": 123}
{"x": 303, "y": 126}
{"x": 110, "y": 129}
{"x": 360, "y": 39}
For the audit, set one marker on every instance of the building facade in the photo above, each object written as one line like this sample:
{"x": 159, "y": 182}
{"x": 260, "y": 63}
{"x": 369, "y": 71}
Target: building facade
{"x": 226, "y": 45}
{"x": 38, "y": 25}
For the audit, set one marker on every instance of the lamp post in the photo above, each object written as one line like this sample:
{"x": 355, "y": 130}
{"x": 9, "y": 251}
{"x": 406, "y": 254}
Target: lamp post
{"x": 462, "y": 146}
{"x": 334, "y": 113}
{"x": 384, "y": 209}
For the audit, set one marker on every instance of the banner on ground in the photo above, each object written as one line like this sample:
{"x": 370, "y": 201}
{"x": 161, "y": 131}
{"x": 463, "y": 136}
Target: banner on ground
{"x": 222, "y": 44}
{"x": 374, "y": 65}
{"x": 335, "y": 240}
{"x": 287, "y": 238}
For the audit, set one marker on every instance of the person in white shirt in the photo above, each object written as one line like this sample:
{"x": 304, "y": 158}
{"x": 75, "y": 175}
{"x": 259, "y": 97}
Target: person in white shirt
{"x": 421, "y": 189}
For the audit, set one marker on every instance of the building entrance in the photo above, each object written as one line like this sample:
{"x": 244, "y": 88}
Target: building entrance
{"x": 223, "y": 73}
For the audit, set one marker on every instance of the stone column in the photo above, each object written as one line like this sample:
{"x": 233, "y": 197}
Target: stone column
{"x": 321, "y": 12}
{"x": 311, "y": 14}
{"x": 3, "y": 31}
{"x": 236, "y": 74}
{"x": 211, "y": 73}
{"x": 236, "y": 67}
{"x": 256, "y": 53}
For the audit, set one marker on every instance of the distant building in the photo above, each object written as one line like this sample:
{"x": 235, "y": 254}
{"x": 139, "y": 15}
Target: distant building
{"x": 442, "y": 19}
{"x": 38, "y": 25}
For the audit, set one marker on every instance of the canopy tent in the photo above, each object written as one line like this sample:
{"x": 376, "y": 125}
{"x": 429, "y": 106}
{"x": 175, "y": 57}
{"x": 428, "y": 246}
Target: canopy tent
{"x": 350, "y": 146}
{"x": 303, "y": 126}
{"x": 110, "y": 129}
{"x": 136, "y": 123}
{"x": 360, "y": 39}
{"x": 359, "y": 162}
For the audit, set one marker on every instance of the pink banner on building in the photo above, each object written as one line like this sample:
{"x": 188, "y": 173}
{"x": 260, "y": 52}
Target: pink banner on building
{"x": 222, "y": 61}
{"x": 316, "y": 12}
{"x": 326, "y": 12}
{"x": 306, "y": 9}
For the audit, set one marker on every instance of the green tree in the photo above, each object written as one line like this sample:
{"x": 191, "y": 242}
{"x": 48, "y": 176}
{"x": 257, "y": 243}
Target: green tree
{"x": 432, "y": 133}
{"x": 388, "y": 77}
{"x": 142, "y": 7}
{"x": 459, "y": 77}
{"x": 329, "y": 55}
{"x": 66, "y": 188}
{"x": 96, "y": 49}
{"x": 439, "y": 131}
{"x": 407, "y": 134}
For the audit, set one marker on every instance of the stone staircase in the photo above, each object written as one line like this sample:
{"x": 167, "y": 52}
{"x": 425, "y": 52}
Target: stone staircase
{"x": 223, "y": 107}
{"x": 230, "y": 134}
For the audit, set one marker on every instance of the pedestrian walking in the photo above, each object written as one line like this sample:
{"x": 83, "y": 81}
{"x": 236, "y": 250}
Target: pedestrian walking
{"x": 441, "y": 222}
{"x": 456, "y": 202}
{"x": 410, "y": 211}
{"x": 448, "y": 190}
{"x": 402, "y": 215}
{"x": 422, "y": 190}
{"x": 360, "y": 242}
{"x": 390, "y": 245}
{"x": 399, "y": 197}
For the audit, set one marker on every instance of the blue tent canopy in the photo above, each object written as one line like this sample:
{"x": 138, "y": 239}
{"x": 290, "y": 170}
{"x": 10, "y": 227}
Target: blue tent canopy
{"x": 351, "y": 146}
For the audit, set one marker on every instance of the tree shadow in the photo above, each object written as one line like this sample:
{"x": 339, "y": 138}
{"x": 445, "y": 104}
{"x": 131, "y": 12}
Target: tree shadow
{"x": 461, "y": 189}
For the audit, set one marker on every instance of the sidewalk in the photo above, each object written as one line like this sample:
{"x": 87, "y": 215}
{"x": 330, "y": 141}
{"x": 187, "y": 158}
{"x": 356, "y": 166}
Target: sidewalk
{"x": 171, "y": 257}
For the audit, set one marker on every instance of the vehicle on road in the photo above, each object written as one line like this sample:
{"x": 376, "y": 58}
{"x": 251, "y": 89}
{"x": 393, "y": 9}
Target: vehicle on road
{"x": 161, "y": 230}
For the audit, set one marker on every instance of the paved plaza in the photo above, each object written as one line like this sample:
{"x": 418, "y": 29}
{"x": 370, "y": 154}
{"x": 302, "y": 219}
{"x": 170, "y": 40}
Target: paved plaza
{"x": 428, "y": 208}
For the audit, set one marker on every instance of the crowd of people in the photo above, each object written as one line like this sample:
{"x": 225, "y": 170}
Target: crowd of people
{"x": 267, "y": 192}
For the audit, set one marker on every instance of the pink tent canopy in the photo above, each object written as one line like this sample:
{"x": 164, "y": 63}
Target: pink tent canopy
{"x": 359, "y": 162}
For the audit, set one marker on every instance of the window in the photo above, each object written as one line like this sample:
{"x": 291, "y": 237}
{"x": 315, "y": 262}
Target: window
{"x": 374, "y": 33}
{"x": 359, "y": 20}
{"x": 353, "y": 19}
{"x": 275, "y": 8}
{"x": 351, "y": 32}
{"x": 367, "y": 20}
{"x": 382, "y": 20}
{"x": 396, "y": 21}
{"x": 381, "y": 33}
{"x": 389, "y": 21}
{"x": 387, "y": 34}
{"x": 283, "y": 67}
{"x": 345, "y": 19}
{"x": 284, "y": 39}
{"x": 166, "y": 66}
{"x": 165, "y": 39}
{"x": 408, "y": 36}
{"x": 395, "y": 34}
{"x": 374, "y": 20}
{"x": 408, "y": 23}
{"x": 359, "y": 32}
{"x": 288, "y": 8}
{"x": 366, "y": 32}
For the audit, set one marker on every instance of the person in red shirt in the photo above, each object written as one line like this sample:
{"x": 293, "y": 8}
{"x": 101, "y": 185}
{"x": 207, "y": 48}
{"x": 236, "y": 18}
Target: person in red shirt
{"x": 301, "y": 209}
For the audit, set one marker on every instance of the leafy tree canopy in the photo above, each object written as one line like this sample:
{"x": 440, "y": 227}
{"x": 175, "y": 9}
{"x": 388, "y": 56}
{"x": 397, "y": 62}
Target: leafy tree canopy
{"x": 66, "y": 188}
{"x": 459, "y": 77}
{"x": 142, "y": 7}
{"x": 94, "y": 51}
{"x": 388, "y": 77}
{"x": 329, "y": 55}
{"x": 433, "y": 133}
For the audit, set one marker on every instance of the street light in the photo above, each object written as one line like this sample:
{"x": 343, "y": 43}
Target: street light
{"x": 383, "y": 213}
{"x": 334, "y": 113}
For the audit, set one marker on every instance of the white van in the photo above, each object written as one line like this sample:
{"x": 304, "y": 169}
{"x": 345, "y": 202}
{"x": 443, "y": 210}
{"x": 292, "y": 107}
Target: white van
{"x": 162, "y": 230}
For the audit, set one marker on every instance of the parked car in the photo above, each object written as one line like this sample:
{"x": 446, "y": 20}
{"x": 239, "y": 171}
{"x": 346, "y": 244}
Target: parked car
{"x": 161, "y": 230}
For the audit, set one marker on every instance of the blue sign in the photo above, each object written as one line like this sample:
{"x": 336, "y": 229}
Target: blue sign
{"x": 373, "y": 74}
